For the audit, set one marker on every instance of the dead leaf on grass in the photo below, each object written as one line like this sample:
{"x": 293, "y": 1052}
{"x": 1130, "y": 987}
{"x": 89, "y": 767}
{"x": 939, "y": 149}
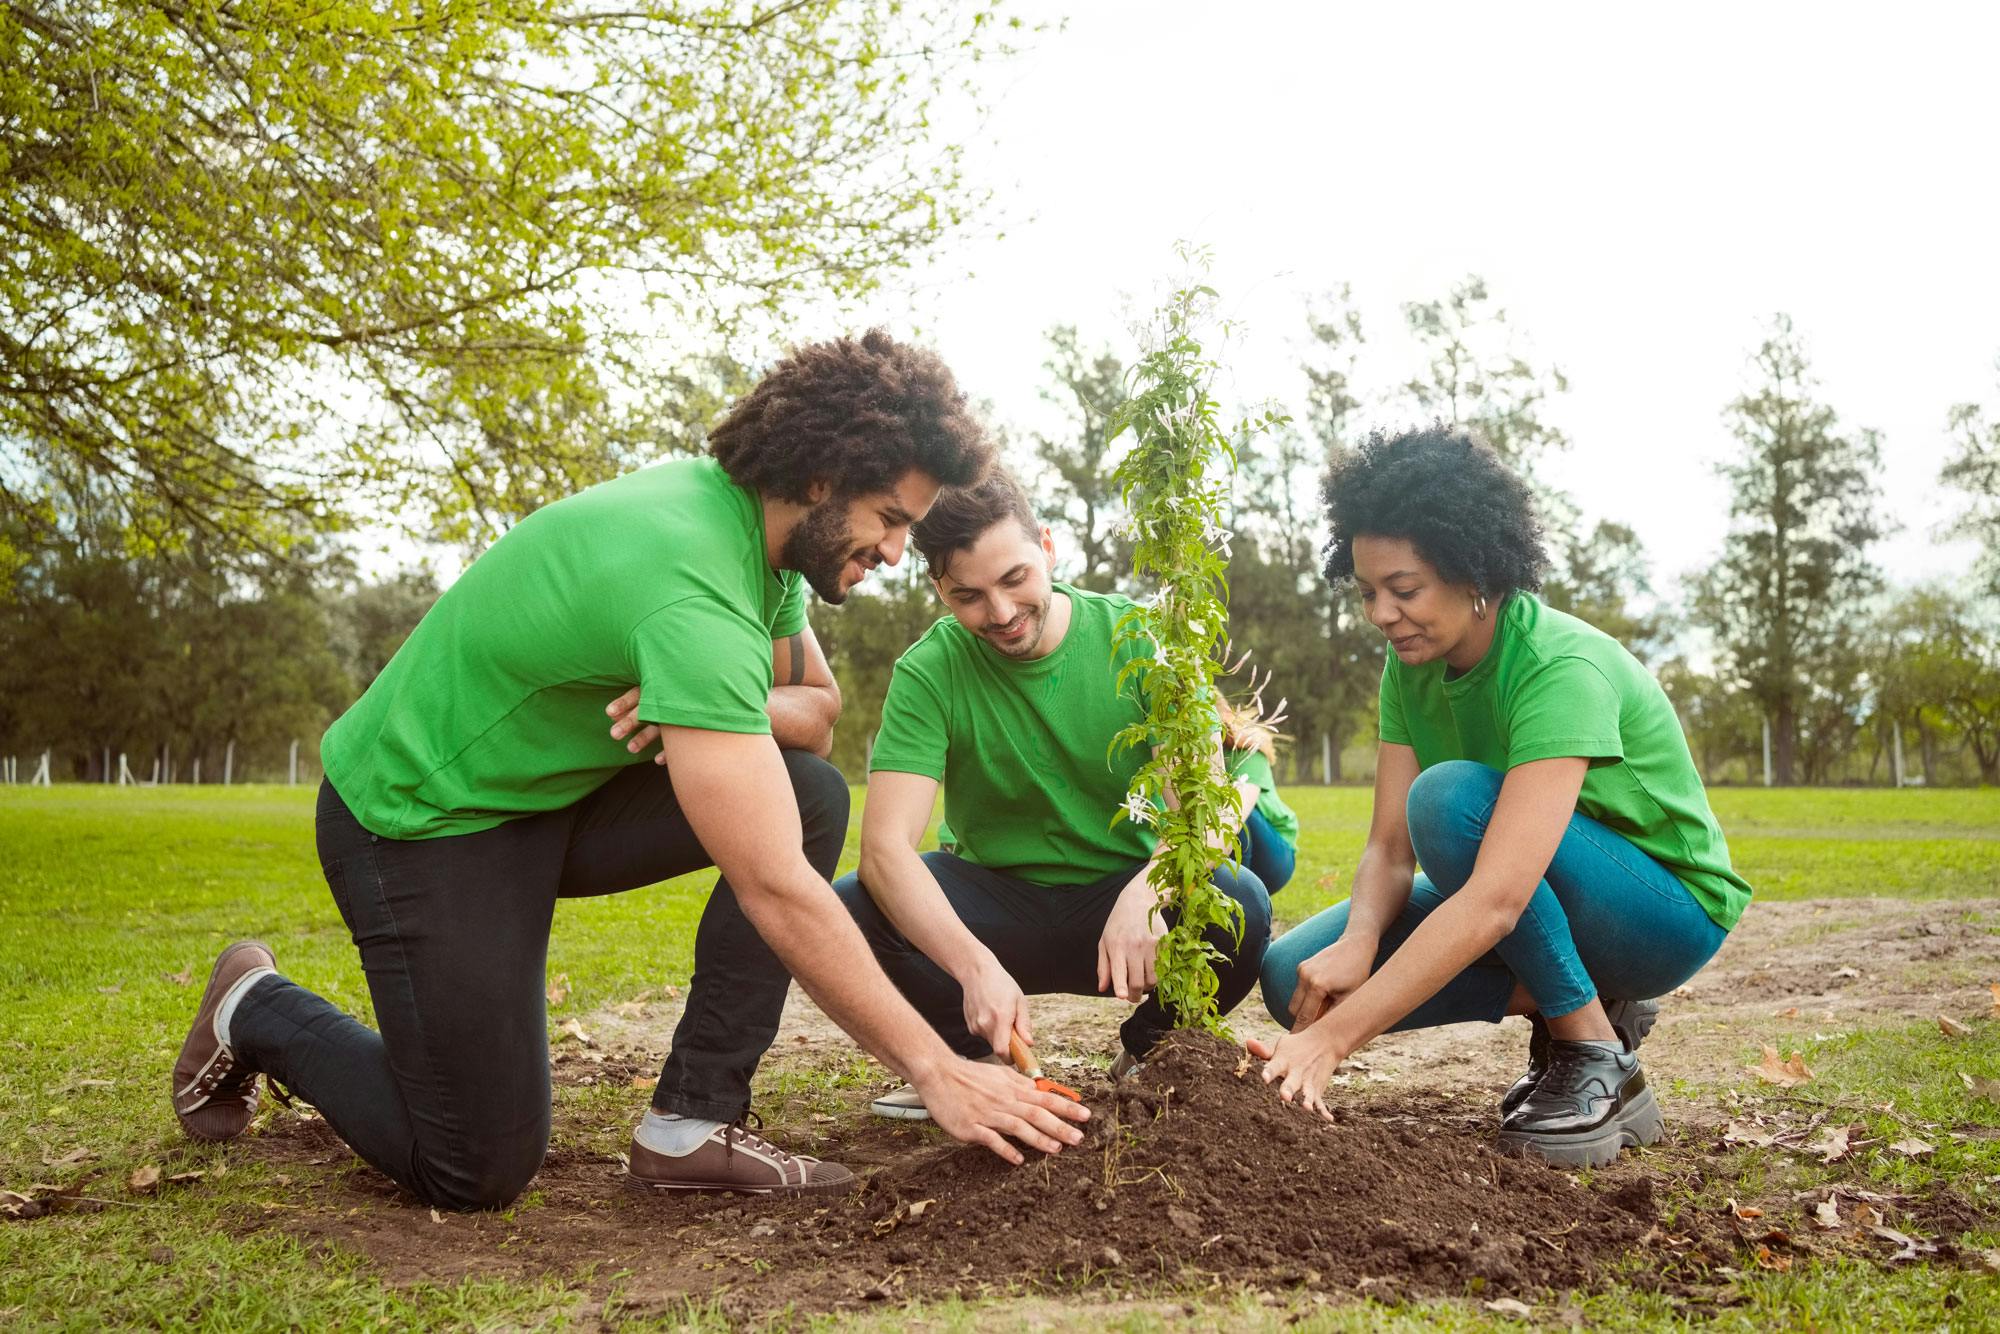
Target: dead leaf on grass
{"x": 1785, "y": 1074}
{"x": 1990, "y": 1261}
{"x": 1827, "y": 1214}
{"x": 1995, "y": 988}
{"x": 182, "y": 1178}
{"x": 644, "y": 1081}
{"x": 1981, "y": 1087}
{"x": 70, "y": 1159}
{"x": 13, "y": 1204}
{"x": 1951, "y": 1028}
{"x": 144, "y": 1180}
{"x": 572, "y": 1029}
{"x": 1911, "y": 1247}
{"x": 185, "y": 977}
{"x": 1912, "y": 1147}
{"x": 1769, "y": 1259}
{"x": 1745, "y": 1211}
{"x": 821, "y": 1118}
{"x": 1843, "y": 974}
{"x": 558, "y": 989}
{"x": 1508, "y": 1306}
{"x": 1868, "y": 1216}
{"x": 629, "y": 1009}
{"x": 1791, "y": 1013}
{"x": 1836, "y": 1142}
{"x": 1738, "y": 1133}
{"x": 436, "y": 1217}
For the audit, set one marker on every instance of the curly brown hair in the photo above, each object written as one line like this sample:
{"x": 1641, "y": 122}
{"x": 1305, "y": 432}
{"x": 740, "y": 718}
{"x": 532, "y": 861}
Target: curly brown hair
{"x": 856, "y": 413}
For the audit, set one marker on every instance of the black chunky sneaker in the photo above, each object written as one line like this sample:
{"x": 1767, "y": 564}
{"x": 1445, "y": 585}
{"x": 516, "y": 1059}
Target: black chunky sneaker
{"x": 1589, "y": 1104}
{"x": 1631, "y": 1020}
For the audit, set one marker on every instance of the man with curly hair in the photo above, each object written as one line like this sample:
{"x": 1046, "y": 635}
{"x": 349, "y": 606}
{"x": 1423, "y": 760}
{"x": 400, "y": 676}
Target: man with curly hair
{"x": 473, "y": 785}
{"x": 1572, "y": 868}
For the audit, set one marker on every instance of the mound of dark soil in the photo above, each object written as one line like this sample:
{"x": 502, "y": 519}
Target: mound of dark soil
{"x": 1196, "y": 1165}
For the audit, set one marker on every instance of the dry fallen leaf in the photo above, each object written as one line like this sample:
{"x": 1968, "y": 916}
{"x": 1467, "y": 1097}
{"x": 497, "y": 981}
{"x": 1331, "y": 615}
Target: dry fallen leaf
{"x": 1827, "y": 1214}
{"x": 1508, "y": 1306}
{"x": 917, "y": 1208}
{"x": 1951, "y": 1028}
{"x": 1911, "y": 1247}
{"x": 182, "y": 1178}
{"x": 629, "y": 1009}
{"x": 1990, "y": 1261}
{"x": 1981, "y": 1087}
{"x": 1745, "y": 1211}
{"x": 822, "y": 1119}
{"x": 644, "y": 1081}
{"x": 1836, "y": 1142}
{"x": 558, "y": 989}
{"x": 436, "y": 1217}
{"x": 1868, "y": 1216}
{"x": 1791, "y": 1013}
{"x": 572, "y": 1029}
{"x": 1738, "y": 1133}
{"x": 1785, "y": 1074}
{"x": 184, "y": 977}
{"x": 144, "y": 1180}
{"x": 1768, "y": 1259}
{"x": 1840, "y": 973}
{"x": 1912, "y": 1147}
{"x": 1996, "y": 1000}
{"x": 70, "y": 1159}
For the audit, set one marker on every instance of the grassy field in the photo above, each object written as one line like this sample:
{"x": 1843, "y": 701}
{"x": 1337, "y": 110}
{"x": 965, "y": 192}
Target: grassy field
{"x": 113, "y": 902}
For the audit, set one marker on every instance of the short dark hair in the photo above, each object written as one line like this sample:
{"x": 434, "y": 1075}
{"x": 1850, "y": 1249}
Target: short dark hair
{"x": 1447, "y": 494}
{"x": 962, "y": 514}
{"x": 856, "y": 413}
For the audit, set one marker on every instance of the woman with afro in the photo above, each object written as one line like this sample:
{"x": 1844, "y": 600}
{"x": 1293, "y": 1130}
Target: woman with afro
{"x": 1572, "y": 869}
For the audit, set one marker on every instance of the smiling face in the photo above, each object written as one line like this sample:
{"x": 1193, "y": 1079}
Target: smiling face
{"x": 1423, "y": 617}
{"x": 1002, "y": 588}
{"x": 842, "y": 538}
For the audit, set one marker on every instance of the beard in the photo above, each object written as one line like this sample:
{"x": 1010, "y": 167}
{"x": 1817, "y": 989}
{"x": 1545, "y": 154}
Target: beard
{"x": 1038, "y": 624}
{"x": 820, "y": 547}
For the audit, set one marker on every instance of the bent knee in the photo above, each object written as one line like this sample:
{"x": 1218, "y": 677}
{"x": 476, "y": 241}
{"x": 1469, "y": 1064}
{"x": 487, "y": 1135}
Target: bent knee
{"x": 1451, "y": 789}
{"x": 484, "y": 1181}
{"x": 819, "y": 788}
{"x": 1279, "y": 978}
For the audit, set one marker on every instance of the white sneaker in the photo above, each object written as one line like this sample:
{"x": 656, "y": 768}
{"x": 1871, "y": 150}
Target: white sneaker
{"x": 906, "y": 1104}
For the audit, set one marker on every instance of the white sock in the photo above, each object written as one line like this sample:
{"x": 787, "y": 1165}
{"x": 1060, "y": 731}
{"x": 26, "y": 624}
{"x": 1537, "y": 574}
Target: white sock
{"x": 227, "y": 1010}
{"x": 674, "y": 1135}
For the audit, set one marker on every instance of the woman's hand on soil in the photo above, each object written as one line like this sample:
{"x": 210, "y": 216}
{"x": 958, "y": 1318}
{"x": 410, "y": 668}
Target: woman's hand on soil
{"x": 626, "y": 727}
{"x": 1328, "y": 978}
{"x": 1128, "y": 951}
{"x": 1303, "y": 1062}
{"x": 995, "y": 1009}
{"x": 991, "y": 1105}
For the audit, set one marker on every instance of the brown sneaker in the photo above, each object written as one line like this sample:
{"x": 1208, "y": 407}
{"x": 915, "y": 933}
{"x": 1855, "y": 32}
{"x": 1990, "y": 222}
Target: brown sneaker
{"x": 213, "y": 1095}
{"x": 734, "y": 1159}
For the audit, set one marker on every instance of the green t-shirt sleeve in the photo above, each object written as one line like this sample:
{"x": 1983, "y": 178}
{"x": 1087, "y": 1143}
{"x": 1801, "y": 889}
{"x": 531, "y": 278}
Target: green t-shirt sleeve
{"x": 702, "y": 663}
{"x": 791, "y": 616}
{"x": 1390, "y": 727}
{"x": 916, "y": 730}
{"x": 1568, "y": 708}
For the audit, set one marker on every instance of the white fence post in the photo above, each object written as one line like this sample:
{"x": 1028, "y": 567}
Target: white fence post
{"x": 196, "y": 779}
{"x": 228, "y": 763}
{"x": 125, "y": 774}
{"x": 292, "y": 774}
{"x": 1767, "y": 752}
{"x": 41, "y": 778}
{"x": 1325, "y": 758}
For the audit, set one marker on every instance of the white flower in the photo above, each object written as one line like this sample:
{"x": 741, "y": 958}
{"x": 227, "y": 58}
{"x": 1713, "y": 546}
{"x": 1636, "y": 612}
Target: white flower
{"x": 1138, "y": 809}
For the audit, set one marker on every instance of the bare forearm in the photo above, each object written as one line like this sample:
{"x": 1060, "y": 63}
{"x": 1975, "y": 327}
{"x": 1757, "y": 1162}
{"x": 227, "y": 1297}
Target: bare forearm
{"x": 815, "y": 938}
{"x": 904, "y": 888}
{"x": 1457, "y": 932}
{"x": 1382, "y": 885}
{"x": 802, "y": 717}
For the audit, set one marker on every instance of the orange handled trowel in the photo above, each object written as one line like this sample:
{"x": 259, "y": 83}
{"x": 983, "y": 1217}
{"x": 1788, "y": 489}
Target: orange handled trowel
{"x": 1025, "y": 1062}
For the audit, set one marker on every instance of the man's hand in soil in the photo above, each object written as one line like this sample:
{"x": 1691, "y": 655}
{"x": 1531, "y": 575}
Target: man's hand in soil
{"x": 1304, "y": 1062}
{"x": 995, "y": 1008}
{"x": 991, "y": 1104}
{"x": 1329, "y": 977}
{"x": 1128, "y": 951}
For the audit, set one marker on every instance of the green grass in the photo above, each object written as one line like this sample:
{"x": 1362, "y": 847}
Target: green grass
{"x": 108, "y": 896}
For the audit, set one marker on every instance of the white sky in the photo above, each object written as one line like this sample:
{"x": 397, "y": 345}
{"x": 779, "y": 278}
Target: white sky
{"x": 1640, "y": 188}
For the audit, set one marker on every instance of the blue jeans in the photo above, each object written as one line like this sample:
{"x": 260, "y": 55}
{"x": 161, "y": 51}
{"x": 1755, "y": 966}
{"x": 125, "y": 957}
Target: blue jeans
{"x": 1266, "y": 854}
{"x": 1605, "y": 920}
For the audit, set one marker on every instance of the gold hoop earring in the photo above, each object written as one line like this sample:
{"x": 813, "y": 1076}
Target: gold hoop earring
{"x": 1479, "y": 606}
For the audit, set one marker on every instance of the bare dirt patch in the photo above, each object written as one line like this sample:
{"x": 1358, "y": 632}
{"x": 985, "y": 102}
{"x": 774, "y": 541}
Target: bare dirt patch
{"x": 1193, "y": 1175}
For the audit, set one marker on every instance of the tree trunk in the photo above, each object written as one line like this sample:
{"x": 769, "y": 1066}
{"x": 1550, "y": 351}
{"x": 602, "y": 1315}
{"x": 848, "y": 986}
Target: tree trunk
{"x": 1784, "y": 741}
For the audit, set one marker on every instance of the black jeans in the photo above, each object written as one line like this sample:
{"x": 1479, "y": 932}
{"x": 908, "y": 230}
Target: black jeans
{"x": 451, "y": 1097}
{"x": 1046, "y": 938}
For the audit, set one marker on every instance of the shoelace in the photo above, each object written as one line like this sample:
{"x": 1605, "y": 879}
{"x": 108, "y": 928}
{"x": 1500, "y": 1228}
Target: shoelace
{"x": 739, "y": 1131}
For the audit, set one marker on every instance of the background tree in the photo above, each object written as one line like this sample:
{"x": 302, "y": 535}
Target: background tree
{"x": 862, "y": 639}
{"x": 1724, "y": 726}
{"x": 1937, "y": 672}
{"x": 1081, "y": 496}
{"x": 1784, "y": 600}
{"x": 263, "y": 266}
{"x": 1974, "y": 469}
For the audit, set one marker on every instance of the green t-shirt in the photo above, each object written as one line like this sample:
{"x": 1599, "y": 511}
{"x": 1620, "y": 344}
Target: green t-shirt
{"x": 1022, "y": 748}
{"x": 1252, "y": 766}
{"x": 1552, "y": 686}
{"x": 494, "y": 706}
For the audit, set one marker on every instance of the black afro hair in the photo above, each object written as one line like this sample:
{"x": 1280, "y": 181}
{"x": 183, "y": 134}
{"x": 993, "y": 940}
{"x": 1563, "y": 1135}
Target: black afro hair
{"x": 1448, "y": 495}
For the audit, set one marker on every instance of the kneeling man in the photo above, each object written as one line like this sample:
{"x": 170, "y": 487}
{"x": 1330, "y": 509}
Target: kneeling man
{"x": 1012, "y": 703}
